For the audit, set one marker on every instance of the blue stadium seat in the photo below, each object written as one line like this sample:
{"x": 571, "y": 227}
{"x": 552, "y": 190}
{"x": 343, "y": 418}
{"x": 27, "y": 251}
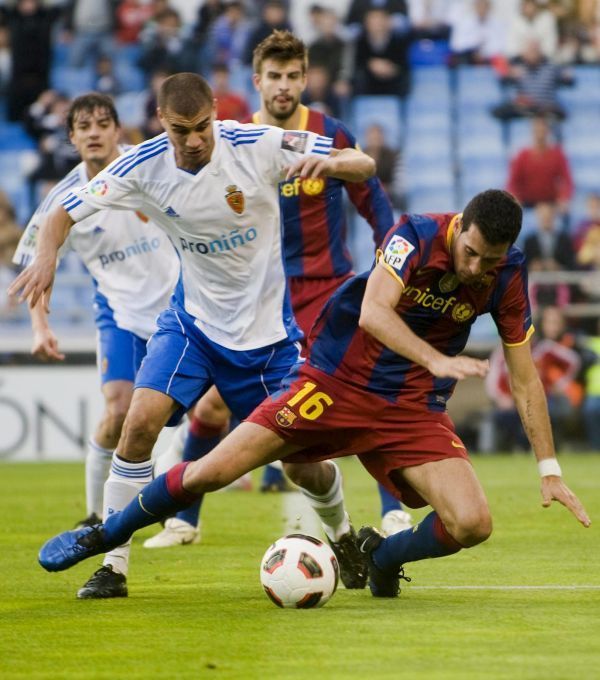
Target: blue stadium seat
{"x": 131, "y": 108}
{"x": 71, "y": 81}
{"x": 14, "y": 138}
{"x": 129, "y": 76}
{"x": 586, "y": 173}
{"x": 432, "y": 200}
{"x": 477, "y": 86}
{"x": 381, "y": 110}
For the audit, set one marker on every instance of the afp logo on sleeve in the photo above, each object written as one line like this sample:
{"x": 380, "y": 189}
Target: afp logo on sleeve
{"x": 397, "y": 251}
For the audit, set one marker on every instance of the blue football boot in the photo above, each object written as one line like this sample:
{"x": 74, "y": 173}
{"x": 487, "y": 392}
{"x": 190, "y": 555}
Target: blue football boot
{"x": 70, "y": 547}
{"x": 382, "y": 583}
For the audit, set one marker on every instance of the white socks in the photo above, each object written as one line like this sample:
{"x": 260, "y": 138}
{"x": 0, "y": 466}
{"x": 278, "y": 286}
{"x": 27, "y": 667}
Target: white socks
{"x": 330, "y": 508}
{"x": 97, "y": 467}
{"x": 174, "y": 453}
{"x": 125, "y": 481}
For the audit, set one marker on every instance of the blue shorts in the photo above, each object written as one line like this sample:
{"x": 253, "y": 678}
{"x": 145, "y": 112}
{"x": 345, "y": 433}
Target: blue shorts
{"x": 183, "y": 363}
{"x": 120, "y": 353}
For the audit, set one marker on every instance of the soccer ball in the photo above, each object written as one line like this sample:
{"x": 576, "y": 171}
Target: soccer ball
{"x": 299, "y": 571}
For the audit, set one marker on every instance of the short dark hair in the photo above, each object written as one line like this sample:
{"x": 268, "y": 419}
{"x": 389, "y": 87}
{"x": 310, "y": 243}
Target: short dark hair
{"x": 497, "y": 214}
{"x": 89, "y": 103}
{"x": 281, "y": 46}
{"x": 185, "y": 94}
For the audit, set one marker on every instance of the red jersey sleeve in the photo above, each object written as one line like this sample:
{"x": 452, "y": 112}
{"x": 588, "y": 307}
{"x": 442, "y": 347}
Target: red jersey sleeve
{"x": 512, "y": 311}
{"x": 400, "y": 250}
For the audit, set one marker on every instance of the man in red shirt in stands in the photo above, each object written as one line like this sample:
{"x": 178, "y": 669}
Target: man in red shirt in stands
{"x": 540, "y": 173}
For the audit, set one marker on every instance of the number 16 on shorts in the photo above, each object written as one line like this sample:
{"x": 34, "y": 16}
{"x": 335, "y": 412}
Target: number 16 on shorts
{"x": 312, "y": 404}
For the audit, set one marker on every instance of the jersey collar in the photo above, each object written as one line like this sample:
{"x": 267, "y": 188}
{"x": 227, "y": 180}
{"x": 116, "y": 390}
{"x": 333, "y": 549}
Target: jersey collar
{"x": 303, "y": 117}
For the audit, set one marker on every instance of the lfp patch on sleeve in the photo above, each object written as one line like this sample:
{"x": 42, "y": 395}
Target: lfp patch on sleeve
{"x": 294, "y": 141}
{"x": 397, "y": 251}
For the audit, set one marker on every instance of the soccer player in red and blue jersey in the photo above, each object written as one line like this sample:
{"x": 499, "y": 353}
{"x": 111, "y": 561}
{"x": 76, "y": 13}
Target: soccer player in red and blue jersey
{"x": 384, "y": 357}
{"x": 317, "y": 258}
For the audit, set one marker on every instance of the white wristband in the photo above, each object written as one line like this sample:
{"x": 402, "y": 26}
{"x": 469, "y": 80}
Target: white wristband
{"x": 549, "y": 466}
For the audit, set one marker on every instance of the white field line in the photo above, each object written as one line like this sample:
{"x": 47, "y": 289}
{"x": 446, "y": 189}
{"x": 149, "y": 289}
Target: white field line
{"x": 508, "y": 587}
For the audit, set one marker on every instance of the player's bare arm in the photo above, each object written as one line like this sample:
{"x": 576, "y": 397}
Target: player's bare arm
{"x": 350, "y": 165}
{"x": 531, "y": 403}
{"x": 379, "y": 318}
{"x": 36, "y": 280}
{"x": 45, "y": 343}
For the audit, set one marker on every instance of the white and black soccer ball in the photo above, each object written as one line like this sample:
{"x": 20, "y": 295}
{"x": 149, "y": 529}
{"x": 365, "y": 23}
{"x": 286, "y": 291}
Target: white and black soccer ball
{"x": 299, "y": 571}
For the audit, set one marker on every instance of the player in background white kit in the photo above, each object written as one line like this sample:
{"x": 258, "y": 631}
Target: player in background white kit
{"x": 213, "y": 187}
{"x": 134, "y": 269}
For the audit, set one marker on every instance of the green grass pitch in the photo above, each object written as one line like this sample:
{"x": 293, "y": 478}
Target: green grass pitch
{"x": 524, "y": 605}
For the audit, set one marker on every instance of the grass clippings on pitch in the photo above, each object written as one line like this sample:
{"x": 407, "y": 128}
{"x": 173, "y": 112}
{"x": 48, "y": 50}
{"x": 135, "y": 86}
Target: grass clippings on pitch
{"x": 524, "y": 605}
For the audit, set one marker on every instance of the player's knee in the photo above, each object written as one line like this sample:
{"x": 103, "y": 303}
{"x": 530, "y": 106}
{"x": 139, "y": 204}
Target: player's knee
{"x": 472, "y": 527}
{"x": 138, "y": 435}
{"x": 212, "y": 411}
{"x": 314, "y": 477}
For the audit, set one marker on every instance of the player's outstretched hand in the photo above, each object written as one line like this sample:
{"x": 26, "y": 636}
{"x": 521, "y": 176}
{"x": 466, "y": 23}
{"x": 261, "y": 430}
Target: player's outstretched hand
{"x": 45, "y": 346}
{"x": 311, "y": 167}
{"x": 554, "y": 489}
{"x": 459, "y": 367}
{"x": 34, "y": 282}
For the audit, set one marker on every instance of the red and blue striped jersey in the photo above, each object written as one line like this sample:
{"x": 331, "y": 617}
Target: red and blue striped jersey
{"x": 313, "y": 211}
{"x": 434, "y": 304}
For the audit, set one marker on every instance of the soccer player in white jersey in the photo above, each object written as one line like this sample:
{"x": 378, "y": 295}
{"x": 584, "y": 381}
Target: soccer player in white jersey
{"x": 212, "y": 186}
{"x": 134, "y": 269}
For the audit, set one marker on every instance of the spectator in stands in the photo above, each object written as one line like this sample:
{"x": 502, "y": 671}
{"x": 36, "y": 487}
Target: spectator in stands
{"x": 541, "y": 172}
{"x": 591, "y": 404}
{"x": 389, "y": 165}
{"x": 587, "y": 233}
{"x": 429, "y": 19}
{"x": 89, "y": 28}
{"x": 549, "y": 249}
{"x": 330, "y": 50}
{"x": 209, "y": 11}
{"x": 397, "y": 10}
{"x": 10, "y": 233}
{"x": 163, "y": 44}
{"x": 230, "y": 105}
{"x": 152, "y": 125}
{"x": 131, "y": 17}
{"x": 534, "y": 23}
{"x": 30, "y": 26}
{"x": 105, "y": 80}
{"x": 229, "y": 35}
{"x": 319, "y": 93}
{"x": 381, "y": 65}
{"x": 536, "y": 81}
{"x": 274, "y": 16}
{"x": 5, "y": 59}
{"x": 477, "y": 34}
{"x": 558, "y": 365}
{"x": 46, "y": 121}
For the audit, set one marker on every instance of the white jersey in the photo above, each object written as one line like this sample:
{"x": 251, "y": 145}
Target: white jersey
{"x": 133, "y": 264}
{"x": 224, "y": 221}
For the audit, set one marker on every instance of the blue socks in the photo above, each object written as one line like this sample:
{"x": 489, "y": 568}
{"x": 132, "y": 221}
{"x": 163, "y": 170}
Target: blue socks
{"x": 201, "y": 440}
{"x": 162, "y": 498}
{"x": 429, "y": 538}
{"x": 388, "y": 502}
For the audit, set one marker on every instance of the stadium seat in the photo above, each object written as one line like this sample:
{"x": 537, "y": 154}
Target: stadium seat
{"x": 432, "y": 200}
{"x": 477, "y": 86}
{"x": 71, "y": 81}
{"x": 131, "y": 108}
{"x": 14, "y": 138}
{"x": 381, "y": 110}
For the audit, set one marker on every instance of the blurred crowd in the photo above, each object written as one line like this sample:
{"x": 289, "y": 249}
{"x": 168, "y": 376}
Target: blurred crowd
{"x": 356, "y": 48}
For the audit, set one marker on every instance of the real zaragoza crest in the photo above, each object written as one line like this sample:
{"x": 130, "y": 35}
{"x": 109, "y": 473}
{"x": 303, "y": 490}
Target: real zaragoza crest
{"x": 235, "y": 199}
